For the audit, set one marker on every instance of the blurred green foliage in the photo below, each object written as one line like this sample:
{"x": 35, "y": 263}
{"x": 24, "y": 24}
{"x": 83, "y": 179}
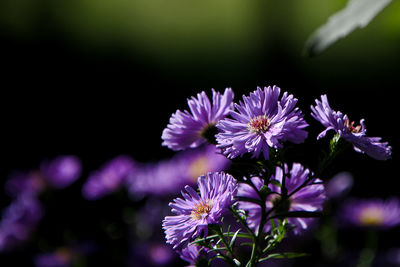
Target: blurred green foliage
{"x": 177, "y": 34}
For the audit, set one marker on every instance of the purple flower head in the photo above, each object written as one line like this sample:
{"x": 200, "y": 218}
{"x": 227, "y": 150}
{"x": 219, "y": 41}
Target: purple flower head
{"x": 371, "y": 213}
{"x": 308, "y": 198}
{"x": 109, "y": 178}
{"x": 262, "y": 121}
{"x": 61, "y": 171}
{"x": 20, "y": 183}
{"x": 18, "y": 221}
{"x": 191, "y": 129}
{"x": 356, "y": 135}
{"x": 339, "y": 185}
{"x": 194, "y": 213}
{"x": 167, "y": 177}
{"x": 192, "y": 253}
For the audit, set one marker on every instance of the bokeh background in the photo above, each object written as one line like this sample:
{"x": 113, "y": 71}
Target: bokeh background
{"x": 97, "y": 79}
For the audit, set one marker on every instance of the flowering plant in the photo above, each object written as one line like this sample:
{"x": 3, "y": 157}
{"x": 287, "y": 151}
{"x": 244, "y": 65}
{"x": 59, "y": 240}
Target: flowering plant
{"x": 261, "y": 199}
{"x": 250, "y": 193}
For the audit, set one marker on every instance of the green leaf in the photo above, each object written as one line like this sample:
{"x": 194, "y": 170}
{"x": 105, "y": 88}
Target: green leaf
{"x": 211, "y": 237}
{"x": 284, "y": 255}
{"x": 234, "y": 238}
{"x": 218, "y": 249}
{"x": 356, "y": 14}
{"x": 276, "y": 183}
{"x": 237, "y": 262}
{"x": 265, "y": 191}
{"x": 272, "y": 224}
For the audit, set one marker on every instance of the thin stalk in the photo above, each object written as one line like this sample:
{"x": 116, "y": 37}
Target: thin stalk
{"x": 255, "y": 248}
{"x": 222, "y": 237}
{"x": 244, "y": 223}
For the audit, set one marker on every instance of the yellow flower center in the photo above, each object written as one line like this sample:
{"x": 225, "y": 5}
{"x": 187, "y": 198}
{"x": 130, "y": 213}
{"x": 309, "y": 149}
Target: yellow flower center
{"x": 371, "y": 217}
{"x": 350, "y": 126}
{"x": 201, "y": 209}
{"x": 259, "y": 124}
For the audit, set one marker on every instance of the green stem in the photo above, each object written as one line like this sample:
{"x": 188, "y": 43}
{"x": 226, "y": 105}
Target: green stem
{"x": 283, "y": 186}
{"x": 255, "y": 248}
{"x": 222, "y": 237}
{"x": 244, "y": 223}
{"x": 367, "y": 255}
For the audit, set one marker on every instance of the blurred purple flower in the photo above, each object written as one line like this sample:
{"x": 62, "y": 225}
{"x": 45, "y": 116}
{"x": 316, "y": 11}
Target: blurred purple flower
{"x": 169, "y": 176}
{"x": 191, "y": 129}
{"x": 262, "y": 121}
{"x": 151, "y": 253}
{"x": 339, "y": 185}
{"x": 371, "y": 213}
{"x": 356, "y": 135}
{"x": 19, "y": 220}
{"x": 392, "y": 256}
{"x": 308, "y": 198}
{"x": 61, "y": 171}
{"x": 19, "y": 183}
{"x": 160, "y": 178}
{"x": 62, "y": 257}
{"x": 109, "y": 178}
{"x": 160, "y": 254}
{"x": 194, "y": 213}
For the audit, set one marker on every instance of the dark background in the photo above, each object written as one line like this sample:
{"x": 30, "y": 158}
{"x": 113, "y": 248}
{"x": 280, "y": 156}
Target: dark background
{"x": 78, "y": 80}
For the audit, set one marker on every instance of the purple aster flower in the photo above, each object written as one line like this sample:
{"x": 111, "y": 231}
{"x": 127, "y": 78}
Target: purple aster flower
{"x": 262, "y": 121}
{"x": 356, "y": 135}
{"x": 18, "y": 221}
{"x": 371, "y": 213}
{"x": 192, "y": 129}
{"x": 309, "y": 198}
{"x": 194, "y": 213}
{"x": 339, "y": 185}
{"x": 168, "y": 176}
{"x": 61, "y": 171}
{"x": 109, "y": 178}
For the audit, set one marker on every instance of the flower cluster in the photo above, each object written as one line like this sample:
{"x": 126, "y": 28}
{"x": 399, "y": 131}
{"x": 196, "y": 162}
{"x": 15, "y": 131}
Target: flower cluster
{"x": 23, "y": 215}
{"x": 265, "y": 196}
{"x": 243, "y": 194}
